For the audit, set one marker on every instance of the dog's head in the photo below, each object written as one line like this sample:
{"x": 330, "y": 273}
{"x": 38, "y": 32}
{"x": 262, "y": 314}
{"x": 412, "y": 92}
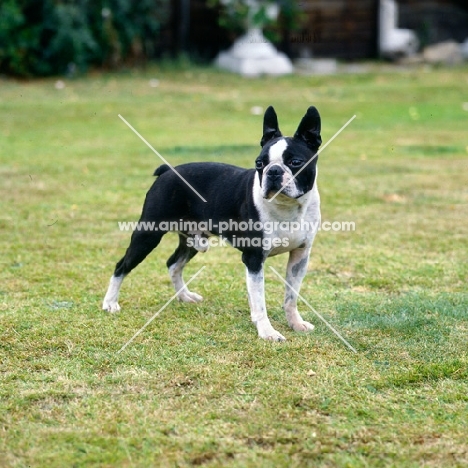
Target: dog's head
{"x": 288, "y": 164}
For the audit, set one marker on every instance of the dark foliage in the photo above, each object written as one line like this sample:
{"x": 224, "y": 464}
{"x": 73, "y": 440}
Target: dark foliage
{"x": 45, "y": 37}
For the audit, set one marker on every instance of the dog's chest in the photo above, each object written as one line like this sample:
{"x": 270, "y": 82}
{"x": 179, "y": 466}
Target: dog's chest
{"x": 290, "y": 240}
{"x": 290, "y": 225}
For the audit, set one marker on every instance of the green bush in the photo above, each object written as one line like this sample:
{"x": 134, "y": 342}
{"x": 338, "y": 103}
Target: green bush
{"x": 44, "y": 37}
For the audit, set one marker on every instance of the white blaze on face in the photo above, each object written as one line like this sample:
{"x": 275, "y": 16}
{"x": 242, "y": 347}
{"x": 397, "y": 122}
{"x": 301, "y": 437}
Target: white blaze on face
{"x": 275, "y": 158}
{"x": 276, "y": 152}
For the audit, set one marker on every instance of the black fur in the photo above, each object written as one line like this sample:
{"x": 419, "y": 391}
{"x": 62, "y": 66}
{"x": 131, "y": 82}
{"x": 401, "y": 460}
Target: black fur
{"x": 270, "y": 126}
{"x": 170, "y": 199}
{"x": 309, "y": 129}
{"x": 161, "y": 170}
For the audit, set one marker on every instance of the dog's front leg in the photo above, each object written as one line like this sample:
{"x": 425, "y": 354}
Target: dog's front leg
{"x": 295, "y": 272}
{"x": 256, "y": 293}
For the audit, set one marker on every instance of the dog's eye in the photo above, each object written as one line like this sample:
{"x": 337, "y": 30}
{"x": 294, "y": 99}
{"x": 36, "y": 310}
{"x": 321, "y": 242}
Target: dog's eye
{"x": 259, "y": 164}
{"x": 295, "y": 162}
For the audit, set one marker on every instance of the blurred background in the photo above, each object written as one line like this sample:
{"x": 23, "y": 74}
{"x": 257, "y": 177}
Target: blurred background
{"x": 50, "y": 37}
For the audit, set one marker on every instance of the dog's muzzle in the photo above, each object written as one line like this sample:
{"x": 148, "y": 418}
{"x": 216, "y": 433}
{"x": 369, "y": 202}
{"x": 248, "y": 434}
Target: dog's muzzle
{"x": 274, "y": 179}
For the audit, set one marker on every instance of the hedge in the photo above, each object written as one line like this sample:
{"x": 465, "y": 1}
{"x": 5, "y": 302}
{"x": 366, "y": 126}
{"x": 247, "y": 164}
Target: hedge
{"x": 46, "y": 37}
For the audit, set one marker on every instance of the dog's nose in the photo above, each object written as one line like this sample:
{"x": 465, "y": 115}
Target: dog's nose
{"x": 275, "y": 172}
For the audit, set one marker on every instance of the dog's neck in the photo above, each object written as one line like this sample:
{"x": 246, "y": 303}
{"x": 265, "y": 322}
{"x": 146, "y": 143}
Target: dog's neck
{"x": 282, "y": 207}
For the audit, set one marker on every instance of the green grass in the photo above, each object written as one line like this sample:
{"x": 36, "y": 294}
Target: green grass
{"x": 197, "y": 387}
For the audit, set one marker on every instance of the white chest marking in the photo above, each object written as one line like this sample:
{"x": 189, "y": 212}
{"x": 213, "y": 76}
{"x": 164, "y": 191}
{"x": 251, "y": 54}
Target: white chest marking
{"x": 305, "y": 209}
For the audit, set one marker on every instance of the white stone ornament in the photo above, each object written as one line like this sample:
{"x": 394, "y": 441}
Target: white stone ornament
{"x": 393, "y": 41}
{"x": 252, "y": 54}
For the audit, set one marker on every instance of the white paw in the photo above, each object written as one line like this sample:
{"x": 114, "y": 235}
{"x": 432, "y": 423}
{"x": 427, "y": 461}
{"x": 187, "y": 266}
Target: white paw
{"x": 272, "y": 335}
{"x": 267, "y": 332}
{"x": 111, "y": 306}
{"x": 302, "y": 326}
{"x": 188, "y": 296}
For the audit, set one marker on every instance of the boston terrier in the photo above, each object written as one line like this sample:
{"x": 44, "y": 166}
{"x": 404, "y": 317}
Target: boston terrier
{"x": 200, "y": 200}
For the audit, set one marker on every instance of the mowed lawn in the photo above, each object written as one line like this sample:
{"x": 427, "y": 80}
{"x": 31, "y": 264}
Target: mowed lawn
{"x": 197, "y": 387}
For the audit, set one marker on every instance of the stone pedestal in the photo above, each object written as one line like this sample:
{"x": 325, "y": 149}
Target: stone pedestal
{"x": 253, "y": 55}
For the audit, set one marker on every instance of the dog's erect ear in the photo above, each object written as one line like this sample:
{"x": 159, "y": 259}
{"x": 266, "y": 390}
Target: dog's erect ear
{"x": 309, "y": 129}
{"x": 270, "y": 126}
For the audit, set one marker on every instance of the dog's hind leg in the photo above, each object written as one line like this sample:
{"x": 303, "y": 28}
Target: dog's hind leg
{"x": 141, "y": 244}
{"x": 176, "y": 263}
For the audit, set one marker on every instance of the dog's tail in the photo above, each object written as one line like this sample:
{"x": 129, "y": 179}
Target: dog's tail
{"x": 161, "y": 170}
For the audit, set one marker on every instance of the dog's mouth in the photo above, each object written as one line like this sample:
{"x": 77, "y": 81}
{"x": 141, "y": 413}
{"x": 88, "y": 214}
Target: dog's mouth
{"x": 274, "y": 187}
{"x": 271, "y": 193}
{"x": 278, "y": 194}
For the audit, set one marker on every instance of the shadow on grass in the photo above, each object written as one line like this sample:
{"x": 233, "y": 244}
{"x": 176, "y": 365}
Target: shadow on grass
{"x": 412, "y": 339}
{"x": 405, "y": 314}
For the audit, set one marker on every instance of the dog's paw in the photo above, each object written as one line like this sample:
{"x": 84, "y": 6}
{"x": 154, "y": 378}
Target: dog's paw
{"x": 111, "y": 307}
{"x": 302, "y": 326}
{"x": 273, "y": 335}
{"x": 267, "y": 332}
{"x": 270, "y": 334}
{"x": 189, "y": 296}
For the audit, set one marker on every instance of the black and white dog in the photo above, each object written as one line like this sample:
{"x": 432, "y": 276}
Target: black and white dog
{"x": 234, "y": 197}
